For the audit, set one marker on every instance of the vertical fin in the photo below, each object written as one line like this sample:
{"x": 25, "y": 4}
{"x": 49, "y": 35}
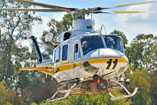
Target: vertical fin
{"x": 37, "y": 50}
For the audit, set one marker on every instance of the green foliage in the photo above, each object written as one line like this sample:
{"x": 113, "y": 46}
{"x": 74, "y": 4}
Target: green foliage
{"x": 34, "y": 103}
{"x": 7, "y": 97}
{"x": 142, "y": 80}
{"x": 153, "y": 88}
{"x": 12, "y": 55}
{"x": 145, "y": 47}
{"x": 101, "y": 99}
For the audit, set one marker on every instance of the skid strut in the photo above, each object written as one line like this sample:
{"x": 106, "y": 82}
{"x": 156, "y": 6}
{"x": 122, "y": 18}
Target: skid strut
{"x": 124, "y": 96}
{"x": 55, "y": 98}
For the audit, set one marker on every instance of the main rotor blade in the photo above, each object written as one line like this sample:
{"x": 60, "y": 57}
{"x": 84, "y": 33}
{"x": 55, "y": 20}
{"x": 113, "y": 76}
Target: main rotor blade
{"x": 45, "y": 5}
{"x": 133, "y": 4}
{"x": 132, "y": 12}
{"x": 35, "y": 10}
{"x": 125, "y": 12}
{"x": 125, "y": 5}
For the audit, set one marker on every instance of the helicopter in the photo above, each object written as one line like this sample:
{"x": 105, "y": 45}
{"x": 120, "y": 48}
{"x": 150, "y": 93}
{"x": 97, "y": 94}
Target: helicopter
{"x": 84, "y": 61}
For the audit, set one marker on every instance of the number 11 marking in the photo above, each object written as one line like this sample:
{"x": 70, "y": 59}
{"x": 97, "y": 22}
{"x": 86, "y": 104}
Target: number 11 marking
{"x": 110, "y": 62}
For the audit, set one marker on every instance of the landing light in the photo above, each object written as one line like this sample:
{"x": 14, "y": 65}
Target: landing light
{"x": 81, "y": 79}
{"x": 98, "y": 81}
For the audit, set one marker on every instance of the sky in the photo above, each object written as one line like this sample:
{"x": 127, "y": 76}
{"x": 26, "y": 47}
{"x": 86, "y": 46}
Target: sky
{"x": 130, "y": 24}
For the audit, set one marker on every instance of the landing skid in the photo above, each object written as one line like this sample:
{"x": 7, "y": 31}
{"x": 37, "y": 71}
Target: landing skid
{"x": 62, "y": 93}
{"x": 55, "y": 97}
{"x": 124, "y": 96}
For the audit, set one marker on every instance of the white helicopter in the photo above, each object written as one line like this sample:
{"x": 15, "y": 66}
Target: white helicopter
{"x": 84, "y": 61}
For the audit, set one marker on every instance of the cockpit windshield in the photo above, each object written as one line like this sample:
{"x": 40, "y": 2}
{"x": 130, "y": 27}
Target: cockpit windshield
{"x": 114, "y": 42}
{"x": 90, "y": 43}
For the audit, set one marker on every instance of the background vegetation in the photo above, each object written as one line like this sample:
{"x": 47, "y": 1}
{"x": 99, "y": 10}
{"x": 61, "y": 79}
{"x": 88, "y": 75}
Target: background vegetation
{"x": 31, "y": 88}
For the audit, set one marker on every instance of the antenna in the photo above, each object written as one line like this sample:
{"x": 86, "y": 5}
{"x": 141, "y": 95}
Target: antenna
{"x": 103, "y": 27}
{"x": 91, "y": 16}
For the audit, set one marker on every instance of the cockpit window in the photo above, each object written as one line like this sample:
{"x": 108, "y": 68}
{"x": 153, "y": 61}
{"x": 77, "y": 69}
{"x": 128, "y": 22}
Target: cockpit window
{"x": 114, "y": 42}
{"x": 90, "y": 43}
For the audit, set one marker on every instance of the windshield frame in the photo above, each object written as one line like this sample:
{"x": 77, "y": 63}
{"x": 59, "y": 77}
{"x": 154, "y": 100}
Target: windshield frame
{"x": 99, "y": 36}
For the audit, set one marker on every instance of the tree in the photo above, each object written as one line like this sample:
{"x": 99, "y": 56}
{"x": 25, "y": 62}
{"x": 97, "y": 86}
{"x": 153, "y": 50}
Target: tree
{"x": 153, "y": 89}
{"x": 142, "y": 51}
{"x": 12, "y": 55}
{"x": 141, "y": 79}
{"x": 7, "y": 97}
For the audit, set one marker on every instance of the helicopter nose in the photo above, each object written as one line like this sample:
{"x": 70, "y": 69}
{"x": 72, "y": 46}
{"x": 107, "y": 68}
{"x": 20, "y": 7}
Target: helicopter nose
{"x": 106, "y": 60}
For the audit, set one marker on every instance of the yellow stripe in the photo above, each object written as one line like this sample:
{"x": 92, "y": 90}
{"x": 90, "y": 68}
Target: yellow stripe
{"x": 46, "y": 70}
{"x": 106, "y": 60}
{"x": 36, "y": 68}
{"x": 71, "y": 66}
{"x": 89, "y": 59}
{"x": 78, "y": 64}
{"x": 66, "y": 67}
{"x": 122, "y": 61}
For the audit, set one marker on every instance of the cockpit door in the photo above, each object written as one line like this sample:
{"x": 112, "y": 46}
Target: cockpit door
{"x": 76, "y": 53}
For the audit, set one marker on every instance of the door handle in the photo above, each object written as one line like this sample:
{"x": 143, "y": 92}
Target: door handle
{"x": 74, "y": 65}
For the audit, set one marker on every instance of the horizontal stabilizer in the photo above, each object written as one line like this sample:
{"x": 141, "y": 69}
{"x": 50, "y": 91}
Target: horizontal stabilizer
{"x": 46, "y": 70}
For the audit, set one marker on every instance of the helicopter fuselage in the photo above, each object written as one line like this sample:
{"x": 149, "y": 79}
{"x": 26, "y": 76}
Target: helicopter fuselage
{"x": 83, "y": 53}
{"x": 105, "y": 62}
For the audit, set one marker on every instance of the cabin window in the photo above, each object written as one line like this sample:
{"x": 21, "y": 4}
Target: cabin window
{"x": 67, "y": 35}
{"x": 65, "y": 52}
{"x": 77, "y": 53}
{"x": 57, "y": 54}
{"x": 89, "y": 27}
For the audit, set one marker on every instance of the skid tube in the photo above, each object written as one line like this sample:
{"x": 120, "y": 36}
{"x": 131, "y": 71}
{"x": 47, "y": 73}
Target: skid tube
{"x": 124, "y": 96}
{"x": 54, "y": 98}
